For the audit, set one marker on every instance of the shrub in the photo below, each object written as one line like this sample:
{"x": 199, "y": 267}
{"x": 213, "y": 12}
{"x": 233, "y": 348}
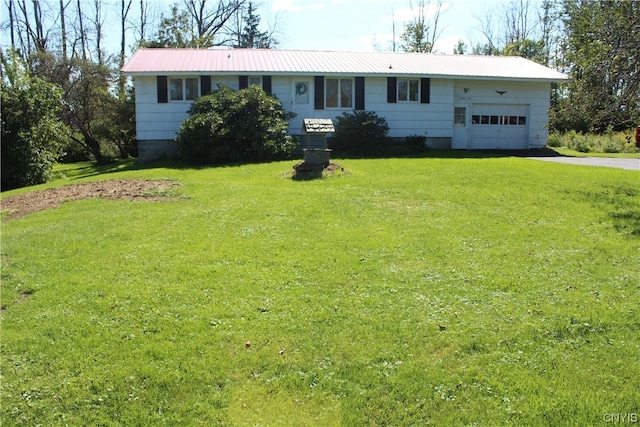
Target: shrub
{"x": 360, "y": 132}
{"x": 229, "y": 125}
{"x": 553, "y": 141}
{"x": 417, "y": 142}
{"x": 609, "y": 142}
{"x": 32, "y": 134}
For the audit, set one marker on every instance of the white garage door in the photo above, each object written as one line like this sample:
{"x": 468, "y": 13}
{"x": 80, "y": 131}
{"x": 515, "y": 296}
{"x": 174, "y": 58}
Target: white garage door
{"x": 499, "y": 126}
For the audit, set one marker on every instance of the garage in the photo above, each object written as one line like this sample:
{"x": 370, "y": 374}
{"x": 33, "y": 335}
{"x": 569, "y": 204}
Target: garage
{"x": 499, "y": 126}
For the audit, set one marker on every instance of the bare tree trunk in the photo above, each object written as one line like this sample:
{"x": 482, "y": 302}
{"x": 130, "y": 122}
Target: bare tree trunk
{"x": 124, "y": 11}
{"x": 63, "y": 31}
{"x": 27, "y": 27}
{"x": 143, "y": 20}
{"x": 435, "y": 35}
{"x": 98, "y": 23}
{"x": 83, "y": 35}
{"x": 38, "y": 37}
{"x": 11, "y": 25}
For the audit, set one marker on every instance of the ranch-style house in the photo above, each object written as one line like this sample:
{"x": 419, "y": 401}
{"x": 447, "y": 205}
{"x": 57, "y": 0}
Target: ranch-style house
{"x": 455, "y": 101}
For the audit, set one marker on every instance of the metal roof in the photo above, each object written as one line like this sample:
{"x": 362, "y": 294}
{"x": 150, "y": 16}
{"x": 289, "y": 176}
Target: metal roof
{"x": 275, "y": 61}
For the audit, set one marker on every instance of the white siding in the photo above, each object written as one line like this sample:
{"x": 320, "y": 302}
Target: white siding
{"x": 161, "y": 121}
{"x": 156, "y": 121}
{"x": 404, "y": 118}
{"x": 534, "y": 95}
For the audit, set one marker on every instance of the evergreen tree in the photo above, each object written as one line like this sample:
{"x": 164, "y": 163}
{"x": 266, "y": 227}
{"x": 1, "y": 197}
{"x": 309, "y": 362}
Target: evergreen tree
{"x": 251, "y": 37}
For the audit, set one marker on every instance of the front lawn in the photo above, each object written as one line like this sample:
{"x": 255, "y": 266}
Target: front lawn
{"x": 477, "y": 290}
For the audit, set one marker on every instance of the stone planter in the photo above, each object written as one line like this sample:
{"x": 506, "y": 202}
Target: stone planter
{"x": 317, "y": 156}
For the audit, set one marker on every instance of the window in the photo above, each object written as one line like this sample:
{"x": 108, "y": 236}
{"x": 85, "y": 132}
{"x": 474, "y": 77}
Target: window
{"x": 302, "y": 92}
{"x": 339, "y": 93}
{"x": 498, "y": 120}
{"x": 255, "y": 81}
{"x": 183, "y": 89}
{"x": 459, "y": 117}
{"x": 408, "y": 90}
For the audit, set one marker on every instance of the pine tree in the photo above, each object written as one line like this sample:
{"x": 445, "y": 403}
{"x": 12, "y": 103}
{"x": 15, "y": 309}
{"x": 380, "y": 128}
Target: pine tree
{"x": 251, "y": 37}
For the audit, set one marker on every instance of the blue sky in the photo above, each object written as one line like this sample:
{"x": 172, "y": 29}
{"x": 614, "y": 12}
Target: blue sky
{"x": 368, "y": 24}
{"x": 356, "y": 25}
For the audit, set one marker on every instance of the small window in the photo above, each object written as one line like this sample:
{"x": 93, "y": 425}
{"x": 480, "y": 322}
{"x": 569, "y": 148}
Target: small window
{"x": 255, "y": 81}
{"x": 346, "y": 93}
{"x": 513, "y": 120}
{"x": 175, "y": 88}
{"x": 408, "y": 90}
{"x": 183, "y": 89}
{"x": 302, "y": 92}
{"x": 191, "y": 89}
{"x": 522, "y": 120}
{"x": 504, "y": 120}
{"x": 339, "y": 93}
{"x": 475, "y": 120}
{"x": 494, "y": 120}
{"x": 484, "y": 120}
{"x": 459, "y": 117}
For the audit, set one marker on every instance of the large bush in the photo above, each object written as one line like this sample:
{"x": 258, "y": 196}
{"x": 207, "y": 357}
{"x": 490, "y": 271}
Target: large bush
{"x": 229, "y": 125}
{"x": 360, "y": 132}
{"x": 32, "y": 134}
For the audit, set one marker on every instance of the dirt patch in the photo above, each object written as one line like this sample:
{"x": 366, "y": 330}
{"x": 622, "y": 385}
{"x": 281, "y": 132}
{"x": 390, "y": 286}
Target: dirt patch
{"x": 307, "y": 171}
{"x": 121, "y": 189}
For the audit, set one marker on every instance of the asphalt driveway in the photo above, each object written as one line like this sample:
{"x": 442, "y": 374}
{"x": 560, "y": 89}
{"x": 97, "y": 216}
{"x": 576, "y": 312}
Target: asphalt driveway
{"x": 610, "y": 162}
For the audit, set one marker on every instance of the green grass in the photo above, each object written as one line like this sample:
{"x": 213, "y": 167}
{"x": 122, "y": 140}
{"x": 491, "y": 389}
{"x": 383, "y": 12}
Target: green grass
{"x": 137, "y": 313}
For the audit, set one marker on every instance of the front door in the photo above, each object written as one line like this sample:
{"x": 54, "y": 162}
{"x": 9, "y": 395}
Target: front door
{"x": 460, "y": 128}
{"x": 301, "y": 102}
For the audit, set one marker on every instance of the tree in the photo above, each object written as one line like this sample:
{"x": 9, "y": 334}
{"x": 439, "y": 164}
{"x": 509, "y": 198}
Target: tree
{"x": 604, "y": 65}
{"x": 197, "y": 26}
{"x": 248, "y": 34}
{"x": 460, "y": 48}
{"x": 32, "y": 134}
{"x": 512, "y": 31}
{"x": 229, "y": 125}
{"x": 90, "y": 105}
{"x": 420, "y": 34}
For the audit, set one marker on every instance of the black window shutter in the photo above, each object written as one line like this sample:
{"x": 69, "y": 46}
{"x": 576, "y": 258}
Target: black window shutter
{"x": 244, "y": 82}
{"x": 359, "y": 93}
{"x": 205, "y": 85}
{"x": 163, "y": 95}
{"x": 266, "y": 84}
{"x": 391, "y": 89}
{"x": 425, "y": 91}
{"x": 318, "y": 91}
